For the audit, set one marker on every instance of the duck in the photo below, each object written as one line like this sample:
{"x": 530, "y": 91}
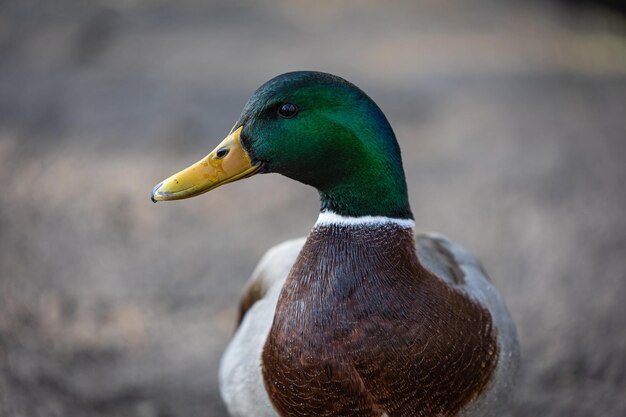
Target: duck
{"x": 363, "y": 317}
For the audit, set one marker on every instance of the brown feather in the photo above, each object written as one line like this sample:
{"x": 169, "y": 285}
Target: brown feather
{"x": 362, "y": 328}
{"x": 253, "y": 292}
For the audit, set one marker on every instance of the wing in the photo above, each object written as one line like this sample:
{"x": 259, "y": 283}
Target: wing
{"x": 241, "y": 381}
{"x": 271, "y": 269}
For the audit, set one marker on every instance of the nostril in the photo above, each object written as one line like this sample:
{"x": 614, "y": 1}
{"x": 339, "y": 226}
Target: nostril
{"x": 222, "y": 153}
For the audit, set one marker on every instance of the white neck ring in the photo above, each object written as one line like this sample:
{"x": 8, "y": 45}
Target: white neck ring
{"x": 328, "y": 218}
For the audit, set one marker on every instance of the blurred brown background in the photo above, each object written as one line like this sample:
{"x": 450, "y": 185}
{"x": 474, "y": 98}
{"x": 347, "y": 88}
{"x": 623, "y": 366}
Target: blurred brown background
{"x": 512, "y": 120}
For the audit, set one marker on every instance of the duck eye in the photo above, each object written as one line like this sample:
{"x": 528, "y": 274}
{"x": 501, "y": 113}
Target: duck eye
{"x": 287, "y": 110}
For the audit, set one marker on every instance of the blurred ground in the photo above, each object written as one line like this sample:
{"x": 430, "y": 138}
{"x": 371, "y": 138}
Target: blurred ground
{"x": 512, "y": 120}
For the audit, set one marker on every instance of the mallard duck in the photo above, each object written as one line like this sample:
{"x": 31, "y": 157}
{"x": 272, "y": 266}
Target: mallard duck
{"x": 360, "y": 318}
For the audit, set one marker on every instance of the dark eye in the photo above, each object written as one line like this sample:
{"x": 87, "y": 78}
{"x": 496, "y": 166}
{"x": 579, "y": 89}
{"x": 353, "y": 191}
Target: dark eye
{"x": 287, "y": 110}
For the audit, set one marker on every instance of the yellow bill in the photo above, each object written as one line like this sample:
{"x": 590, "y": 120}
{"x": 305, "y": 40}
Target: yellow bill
{"x": 228, "y": 162}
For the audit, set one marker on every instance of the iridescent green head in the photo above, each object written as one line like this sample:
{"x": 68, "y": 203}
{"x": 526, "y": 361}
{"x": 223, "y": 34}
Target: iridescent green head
{"x": 317, "y": 129}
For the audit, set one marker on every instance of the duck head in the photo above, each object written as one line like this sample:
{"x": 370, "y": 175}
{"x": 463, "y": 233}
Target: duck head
{"x": 317, "y": 129}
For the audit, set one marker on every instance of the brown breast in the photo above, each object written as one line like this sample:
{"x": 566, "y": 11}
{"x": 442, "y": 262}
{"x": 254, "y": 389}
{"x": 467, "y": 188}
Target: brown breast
{"x": 361, "y": 328}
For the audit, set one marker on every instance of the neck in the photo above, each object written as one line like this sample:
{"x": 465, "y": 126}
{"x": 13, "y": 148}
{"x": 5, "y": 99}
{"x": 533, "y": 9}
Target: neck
{"x": 330, "y": 218}
{"x": 339, "y": 248}
{"x": 371, "y": 180}
{"x": 375, "y": 238}
{"x": 376, "y": 191}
